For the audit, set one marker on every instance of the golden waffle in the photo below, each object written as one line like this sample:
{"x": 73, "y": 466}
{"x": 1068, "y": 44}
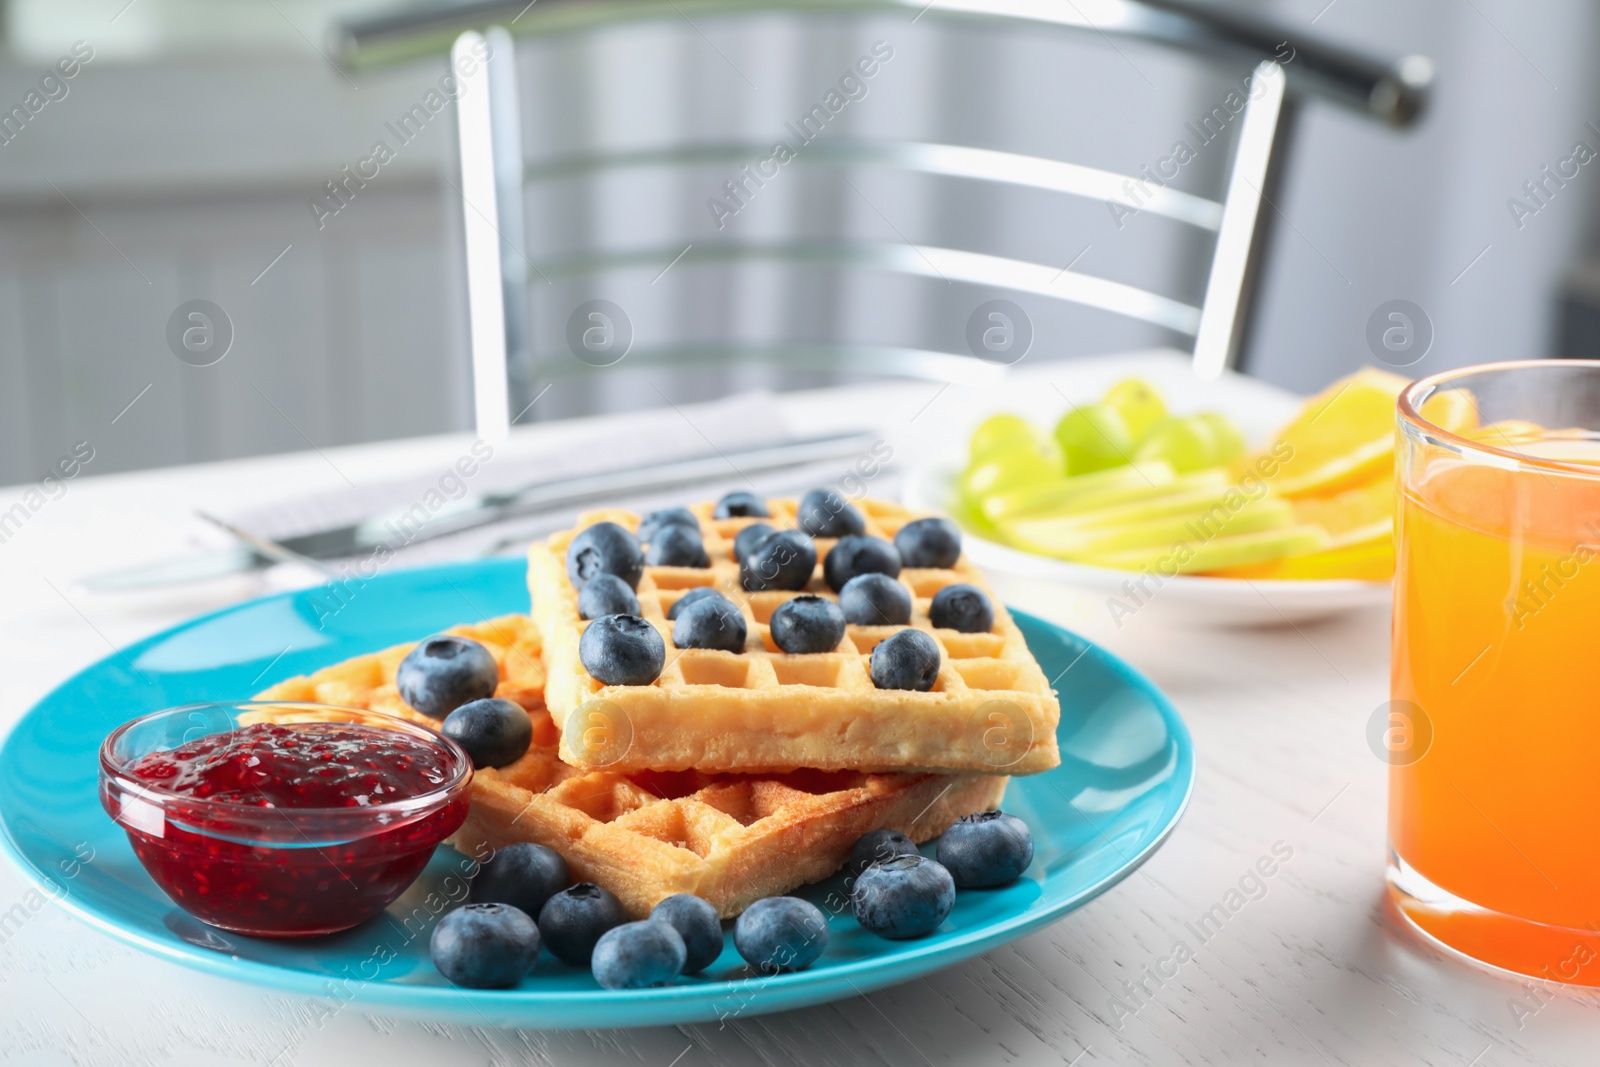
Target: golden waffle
{"x": 763, "y": 711}
{"x": 367, "y": 682}
{"x": 731, "y": 839}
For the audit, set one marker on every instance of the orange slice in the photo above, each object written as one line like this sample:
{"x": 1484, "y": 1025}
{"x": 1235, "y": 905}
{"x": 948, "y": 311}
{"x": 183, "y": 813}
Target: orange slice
{"x": 1364, "y": 513}
{"x": 1359, "y": 523}
{"x": 1455, "y": 410}
{"x": 1371, "y": 561}
{"x": 1342, "y": 437}
{"x": 1508, "y": 433}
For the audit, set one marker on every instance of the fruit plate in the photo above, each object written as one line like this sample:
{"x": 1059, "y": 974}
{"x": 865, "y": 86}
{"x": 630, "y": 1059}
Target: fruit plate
{"x": 1095, "y": 598}
{"x": 1127, "y": 772}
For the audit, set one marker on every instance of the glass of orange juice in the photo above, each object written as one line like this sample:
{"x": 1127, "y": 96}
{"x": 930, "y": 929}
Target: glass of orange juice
{"x": 1494, "y": 722}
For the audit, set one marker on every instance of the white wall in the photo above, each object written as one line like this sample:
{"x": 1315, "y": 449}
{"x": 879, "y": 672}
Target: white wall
{"x": 1377, "y": 216}
{"x": 150, "y": 184}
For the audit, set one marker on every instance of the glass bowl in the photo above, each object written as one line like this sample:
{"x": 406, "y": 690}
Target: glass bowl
{"x": 279, "y": 871}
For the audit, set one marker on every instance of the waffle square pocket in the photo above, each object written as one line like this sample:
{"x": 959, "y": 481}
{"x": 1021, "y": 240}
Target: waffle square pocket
{"x": 760, "y": 710}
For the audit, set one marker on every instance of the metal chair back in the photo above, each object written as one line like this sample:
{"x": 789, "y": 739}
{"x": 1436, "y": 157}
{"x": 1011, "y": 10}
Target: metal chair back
{"x": 874, "y": 187}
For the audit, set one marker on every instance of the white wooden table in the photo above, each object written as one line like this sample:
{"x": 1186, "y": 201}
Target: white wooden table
{"x": 1311, "y": 969}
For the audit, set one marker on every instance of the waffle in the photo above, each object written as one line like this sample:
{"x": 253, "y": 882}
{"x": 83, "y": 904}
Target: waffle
{"x": 367, "y": 682}
{"x": 731, "y": 839}
{"x": 763, "y": 711}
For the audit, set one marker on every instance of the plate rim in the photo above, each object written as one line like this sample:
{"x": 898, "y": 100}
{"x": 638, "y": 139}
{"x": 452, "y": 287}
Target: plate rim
{"x": 654, "y": 1006}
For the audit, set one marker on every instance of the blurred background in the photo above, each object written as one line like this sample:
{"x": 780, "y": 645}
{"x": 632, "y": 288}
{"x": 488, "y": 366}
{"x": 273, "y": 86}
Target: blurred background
{"x": 185, "y": 156}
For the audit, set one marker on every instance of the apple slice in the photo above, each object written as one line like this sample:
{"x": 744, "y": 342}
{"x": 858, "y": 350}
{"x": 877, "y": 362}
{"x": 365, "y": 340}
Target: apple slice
{"x": 1189, "y": 494}
{"x": 1193, "y": 526}
{"x": 1081, "y": 491}
{"x": 1195, "y": 556}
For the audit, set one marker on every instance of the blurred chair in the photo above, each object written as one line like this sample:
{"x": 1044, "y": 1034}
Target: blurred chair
{"x": 632, "y": 201}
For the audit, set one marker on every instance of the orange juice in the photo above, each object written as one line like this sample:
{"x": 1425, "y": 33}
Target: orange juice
{"x": 1495, "y": 827}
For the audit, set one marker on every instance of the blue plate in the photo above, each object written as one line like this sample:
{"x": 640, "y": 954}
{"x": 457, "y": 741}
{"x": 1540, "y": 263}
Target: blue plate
{"x": 1126, "y": 773}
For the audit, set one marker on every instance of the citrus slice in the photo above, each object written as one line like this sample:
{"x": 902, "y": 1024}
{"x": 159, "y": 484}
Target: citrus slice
{"x": 1370, "y": 561}
{"x": 1341, "y": 437}
{"x": 1507, "y": 433}
{"x": 1365, "y": 513}
{"x": 1455, "y": 410}
{"x": 1359, "y": 523}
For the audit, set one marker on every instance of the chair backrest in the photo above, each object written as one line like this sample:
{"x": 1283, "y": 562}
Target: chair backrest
{"x": 878, "y": 187}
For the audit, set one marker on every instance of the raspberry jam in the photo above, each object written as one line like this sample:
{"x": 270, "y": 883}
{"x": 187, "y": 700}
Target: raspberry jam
{"x": 287, "y": 830}
{"x": 310, "y": 765}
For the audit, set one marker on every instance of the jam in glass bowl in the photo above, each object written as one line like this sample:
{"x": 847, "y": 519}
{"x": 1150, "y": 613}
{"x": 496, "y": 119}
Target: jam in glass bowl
{"x": 279, "y": 828}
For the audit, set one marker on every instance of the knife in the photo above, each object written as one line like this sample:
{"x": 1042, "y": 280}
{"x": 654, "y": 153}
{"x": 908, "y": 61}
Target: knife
{"x": 472, "y": 512}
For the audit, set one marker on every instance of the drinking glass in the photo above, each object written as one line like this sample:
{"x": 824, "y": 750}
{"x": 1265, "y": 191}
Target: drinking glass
{"x": 1493, "y": 730}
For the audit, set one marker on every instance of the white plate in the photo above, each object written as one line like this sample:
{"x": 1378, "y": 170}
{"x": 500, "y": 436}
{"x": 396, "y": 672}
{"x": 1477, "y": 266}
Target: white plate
{"x": 1099, "y": 598}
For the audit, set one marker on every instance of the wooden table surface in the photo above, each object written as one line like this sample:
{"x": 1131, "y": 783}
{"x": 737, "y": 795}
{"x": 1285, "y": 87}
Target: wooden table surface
{"x": 1310, "y": 967}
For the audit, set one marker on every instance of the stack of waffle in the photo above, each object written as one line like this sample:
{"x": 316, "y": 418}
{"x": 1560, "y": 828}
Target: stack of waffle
{"x": 734, "y": 776}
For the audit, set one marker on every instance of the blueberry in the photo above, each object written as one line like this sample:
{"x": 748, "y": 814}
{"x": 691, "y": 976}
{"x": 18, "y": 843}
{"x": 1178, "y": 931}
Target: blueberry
{"x": 697, "y": 923}
{"x": 934, "y": 542}
{"x": 741, "y": 505}
{"x": 985, "y": 850}
{"x": 698, "y": 593}
{"x": 875, "y": 845}
{"x": 606, "y": 594}
{"x": 676, "y": 546}
{"x": 622, "y": 650}
{"x": 444, "y": 672}
{"x": 962, "y": 607}
{"x": 903, "y": 897}
{"x": 824, "y": 513}
{"x": 875, "y": 600}
{"x": 604, "y": 548}
{"x": 906, "y": 660}
{"x": 485, "y": 946}
{"x": 781, "y": 934}
{"x": 523, "y": 875}
{"x": 784, "y": 560}
{"x": 712, "y": 622}
{"x": 746, "y": 539}
{"x": 652, "y": 523}
{"x": 494, "y": 732}
{"x": 574, "y": 919}
{"x": 857, "y": 554}
{"x": 807, "y": 624}
{"x": 638, "y": 955}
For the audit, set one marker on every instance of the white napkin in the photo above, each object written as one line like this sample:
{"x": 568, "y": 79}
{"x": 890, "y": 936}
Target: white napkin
{"x": 727, "y": 427}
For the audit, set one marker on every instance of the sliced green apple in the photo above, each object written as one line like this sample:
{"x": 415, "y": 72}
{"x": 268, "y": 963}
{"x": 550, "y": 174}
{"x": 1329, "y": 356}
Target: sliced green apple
{"x": 1080, "y": 492}
{"x": 1267, "y": 514}
{"x": 1188, "y": 493}
{"x": 1194, "y": 557}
